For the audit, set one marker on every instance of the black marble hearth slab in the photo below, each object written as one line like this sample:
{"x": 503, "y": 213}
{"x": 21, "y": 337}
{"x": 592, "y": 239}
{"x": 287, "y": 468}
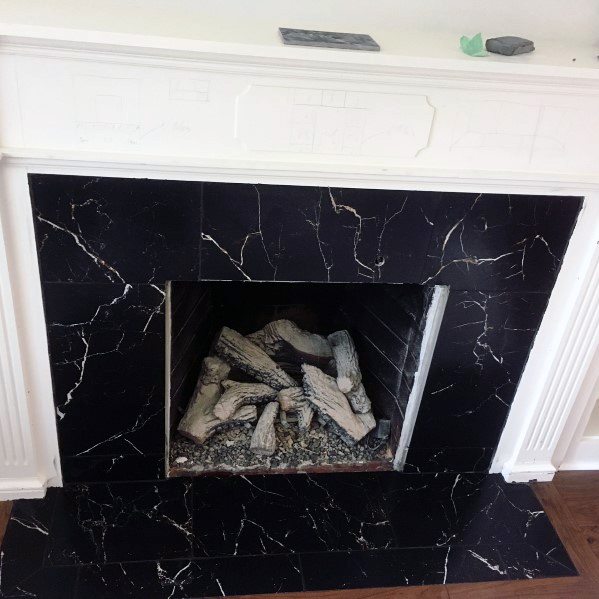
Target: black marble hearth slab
{"x": 121, "y": 522}
{"x": 464, "y": 509}
{"x": 269, "y": 534}
{"x": 289, "y": 514}
{"x": 395, "y": 567}
{"x": 523, "y": 560}
{"x": 25, "y": 542}
{"x": 107, "y": 230}
{"x": 369, "y": 569}
{"x": 46, "y": 583}
{"x": 191, "y": 578}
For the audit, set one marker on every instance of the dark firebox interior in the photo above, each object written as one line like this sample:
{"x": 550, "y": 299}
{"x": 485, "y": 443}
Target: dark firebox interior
{"x": 386, "y": 322}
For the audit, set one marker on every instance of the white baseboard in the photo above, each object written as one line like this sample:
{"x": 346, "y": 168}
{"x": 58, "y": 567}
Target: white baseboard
{"x": 584, "y": 457}
{"x": 22, "y": 488}
{"x": 525, "y": 473}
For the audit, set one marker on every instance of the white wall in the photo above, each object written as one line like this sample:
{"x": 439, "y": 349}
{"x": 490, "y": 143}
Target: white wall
{"x": 592, "y": 429}
{"x": 250, "y": 21}
{"x": 583, "y": 453}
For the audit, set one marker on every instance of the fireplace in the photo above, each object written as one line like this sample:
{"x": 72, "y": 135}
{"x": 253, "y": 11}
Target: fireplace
{"x": 161, "y": 181}
{"x": 385, "y": 323}
{"x": 133, "y": 270}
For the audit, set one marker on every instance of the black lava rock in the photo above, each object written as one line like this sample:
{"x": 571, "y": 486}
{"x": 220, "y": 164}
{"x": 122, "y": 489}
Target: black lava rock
{"x": 509, "y": 45}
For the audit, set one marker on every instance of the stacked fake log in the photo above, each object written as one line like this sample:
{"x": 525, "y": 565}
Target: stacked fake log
{"x": 200, "y": 422}
{"x": 270, "y": 356}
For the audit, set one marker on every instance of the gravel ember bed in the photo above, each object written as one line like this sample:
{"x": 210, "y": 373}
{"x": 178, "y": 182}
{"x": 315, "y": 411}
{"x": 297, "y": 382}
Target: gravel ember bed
{"x": 229, "y": 451}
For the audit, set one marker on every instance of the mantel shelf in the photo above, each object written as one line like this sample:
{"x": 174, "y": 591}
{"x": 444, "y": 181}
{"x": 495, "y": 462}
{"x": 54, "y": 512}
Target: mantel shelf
{"x": 401, "y": 51}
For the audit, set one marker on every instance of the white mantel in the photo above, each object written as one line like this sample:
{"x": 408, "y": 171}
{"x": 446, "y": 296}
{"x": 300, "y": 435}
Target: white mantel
{"x": 204, "y": 90}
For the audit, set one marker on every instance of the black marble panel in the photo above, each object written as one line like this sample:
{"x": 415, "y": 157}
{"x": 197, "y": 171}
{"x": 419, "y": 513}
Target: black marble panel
{"x": 481, "y": 351}
{"x": 526, "y": 561}
{"x": 271, "y": 534}
{"x": 474, "y": 564}
{"x": 24, "y": 545}
{"x": 47, "y": 583}
{"x": 289, "y": 514}
{"x": 117, "y": 522}
{"x": 109, "y": 391}
{"x": 191, "y": 578}
{"x": 109, "y": 230}
{"x": 121, "y": 467}
{"x": 371, "y": 569}
{"x": 395, "y": 567}
{"x": 449, "y": 459}
{"x": 106, "y": 348}
{"x": 287, "y": 233}
{"x": 466, "y": 510}
{"x": 89, "y": 306}
{"x": 499, "y": 242}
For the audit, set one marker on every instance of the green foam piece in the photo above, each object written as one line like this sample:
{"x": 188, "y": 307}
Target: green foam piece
{"x": 473, "y": 46}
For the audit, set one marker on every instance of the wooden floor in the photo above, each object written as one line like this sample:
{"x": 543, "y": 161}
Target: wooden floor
{"x": 4, "y": 516}
{"x": 572, "y": 503}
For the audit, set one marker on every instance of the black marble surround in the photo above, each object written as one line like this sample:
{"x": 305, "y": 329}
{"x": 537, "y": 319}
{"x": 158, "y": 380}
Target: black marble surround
{"x": 270, "y": 534}
{"x": 108, "y": 246}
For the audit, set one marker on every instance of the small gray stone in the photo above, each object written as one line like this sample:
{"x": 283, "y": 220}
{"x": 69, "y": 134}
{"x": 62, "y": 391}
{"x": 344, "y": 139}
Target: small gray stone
{"x": 509, "y": 45}
{"x": 328, "y": 39}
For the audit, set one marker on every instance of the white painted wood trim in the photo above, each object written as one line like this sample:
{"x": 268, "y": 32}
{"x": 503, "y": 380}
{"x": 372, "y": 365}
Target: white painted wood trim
{"x": 552, "y": 390}
{"x": 578, "y": 450}
{"x": 17, "y": 453}
{"x": 27, "y": 389}
{"x": 22, "y": 488}
{"x": 548, "y": 105}
{"x": 168, "y": 331}
{"x": 18, "y": 459}
{"x": 448, "y": 59}
{"x": 97, "y": 164}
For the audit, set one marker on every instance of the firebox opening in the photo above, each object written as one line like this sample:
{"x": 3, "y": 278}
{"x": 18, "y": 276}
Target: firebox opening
{"x": 386, "y": 323}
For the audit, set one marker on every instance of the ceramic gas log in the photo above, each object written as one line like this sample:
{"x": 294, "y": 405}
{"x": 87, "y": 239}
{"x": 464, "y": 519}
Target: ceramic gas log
{"x": 273, "y": 356}
{"x": 200, "y": 422}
